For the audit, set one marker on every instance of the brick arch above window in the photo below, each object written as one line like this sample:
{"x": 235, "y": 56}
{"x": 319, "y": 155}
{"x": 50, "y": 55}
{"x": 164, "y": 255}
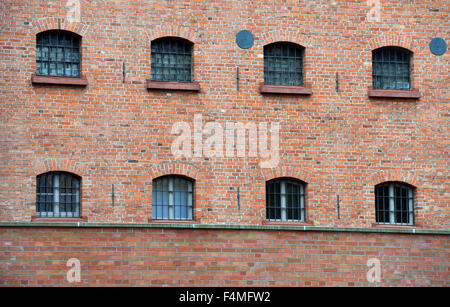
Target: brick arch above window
{"x": 169, "y": 31}
{"x": 174, "y": 168}
{"x": 390, "y": 179}
{"x": 289, "y": 84}
{"x": 401, "y": 42}
{"x": 395, "y": 176}
{"x": 59, "y": 24}
{"x": 53, "y": 23}
{"x": 173, "y": 31}
{"x": 392, "y": 40}
{"x": 52, "y": 165}
{"x": 400, "y": 176}
{"x": 284, "y": 36}
{"x": 294, "y": 172}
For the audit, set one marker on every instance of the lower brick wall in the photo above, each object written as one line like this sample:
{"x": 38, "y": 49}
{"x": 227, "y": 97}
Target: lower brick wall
{"x": 35, "y": 256}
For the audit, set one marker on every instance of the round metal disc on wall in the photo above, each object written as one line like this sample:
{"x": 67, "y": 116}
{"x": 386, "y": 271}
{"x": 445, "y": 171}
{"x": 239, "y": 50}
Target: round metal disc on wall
{"x": 438, "y": 46}
{"x": 244, "y": 39}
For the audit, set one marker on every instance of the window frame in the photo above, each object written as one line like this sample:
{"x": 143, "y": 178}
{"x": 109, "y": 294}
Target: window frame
{"x": 282, "y": 59}
{"x": 165, "y": 51}
{"x": 284, "y": 207}
{"x": 379, "y": 57}
{"x": 190, "y": 206}
{"x": 41, "y": 79}
{"x": 399, "y": 93}
{"x": 58, "y": 32}
{"x": 392, "y": 199}
{"x": 56, "y": 193}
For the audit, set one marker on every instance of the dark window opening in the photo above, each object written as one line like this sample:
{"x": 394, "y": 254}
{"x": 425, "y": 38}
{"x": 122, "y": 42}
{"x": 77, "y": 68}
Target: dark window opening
{"x": 172, "y": 198}
{"x": 285, "y": 200}
{"x": 58, "y": 195}
{"x": 283, "y": 64}
{"x": 171, "y": 60}
{"x": 58, "y": 54}
{"x": 394, "y": 204}
{"x": 391, "y": 68}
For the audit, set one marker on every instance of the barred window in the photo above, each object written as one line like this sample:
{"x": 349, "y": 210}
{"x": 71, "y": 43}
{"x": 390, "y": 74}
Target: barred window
{"x": 394, "y": 204}
{"x": 391, "y": 68}
{"x": 171, "y": 60}
{"x": 283, "y": 64}
{"x": 58, "y": 195}
{"x": 285, "y": 200}
{"x": 58, "y": 53}
{"x": 172, "y": 198}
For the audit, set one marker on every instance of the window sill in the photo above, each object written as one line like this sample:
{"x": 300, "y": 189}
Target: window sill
{"x": 284, "y": 89}
{"x": 408, "y": 94}
{"x": 176, "y": 86}
{"x": 307, "y": 223}
{"x": 173, "y": 221}
{"x": 375, "y": 225}
{"x": 57, "y": 80}
{"x": 59, "y": 219}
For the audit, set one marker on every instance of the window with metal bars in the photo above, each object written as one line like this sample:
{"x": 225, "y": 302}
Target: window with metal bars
{"x": 394, "y": 204}
{"x": 171, "y": 60}
{"x": 283, "y": 64}
{"x": 58, "y": 195}
{"x": 172, "y": 198}
{"x": 285, "y": 200}
{"x": 391, "y": 68}
{"x": 58, "y": 53}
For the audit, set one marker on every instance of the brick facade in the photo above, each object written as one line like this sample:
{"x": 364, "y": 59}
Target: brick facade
{"x": 115, "y": 131}
{"x": 181, "y": 257}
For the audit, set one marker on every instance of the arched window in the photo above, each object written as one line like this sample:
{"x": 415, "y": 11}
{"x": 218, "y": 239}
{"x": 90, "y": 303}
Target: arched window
{"x": 285, "y": 200}
{"x": 58, "y": 195}
{"x": 394, "y": 203}
{"x": 283, "y": 64}
{"x": 172, "y": 198}
{"x": 171, "y": 60}
{"x": 391, "y": 68}
{"x": 58, "y": 53}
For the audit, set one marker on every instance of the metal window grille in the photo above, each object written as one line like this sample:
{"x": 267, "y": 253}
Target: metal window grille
{"x": 394, "y": 204}
{"x": 285, "y": 200}
{"x": 171, "y": 60}
{"x": 57, "y": 195}
{"x": 391, "y": 68}
{"x": 58, "y": 54}
{"x": 172, "y": 198}
{"x": 283, "y": 64}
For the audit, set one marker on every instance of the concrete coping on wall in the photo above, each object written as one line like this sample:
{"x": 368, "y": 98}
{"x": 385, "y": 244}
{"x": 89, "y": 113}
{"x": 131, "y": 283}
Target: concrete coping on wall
{"x": 418, "y": 231}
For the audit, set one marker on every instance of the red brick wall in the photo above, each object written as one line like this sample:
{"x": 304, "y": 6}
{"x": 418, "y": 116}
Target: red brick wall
{"x": 340, "y": 143}
{"x": 114, "y": 132}
{"x": 156, "y": 257}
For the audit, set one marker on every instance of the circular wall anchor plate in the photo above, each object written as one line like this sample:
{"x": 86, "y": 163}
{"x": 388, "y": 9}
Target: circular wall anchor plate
{"x": 244, "y": 39}
{"x": 438, "y": 46}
